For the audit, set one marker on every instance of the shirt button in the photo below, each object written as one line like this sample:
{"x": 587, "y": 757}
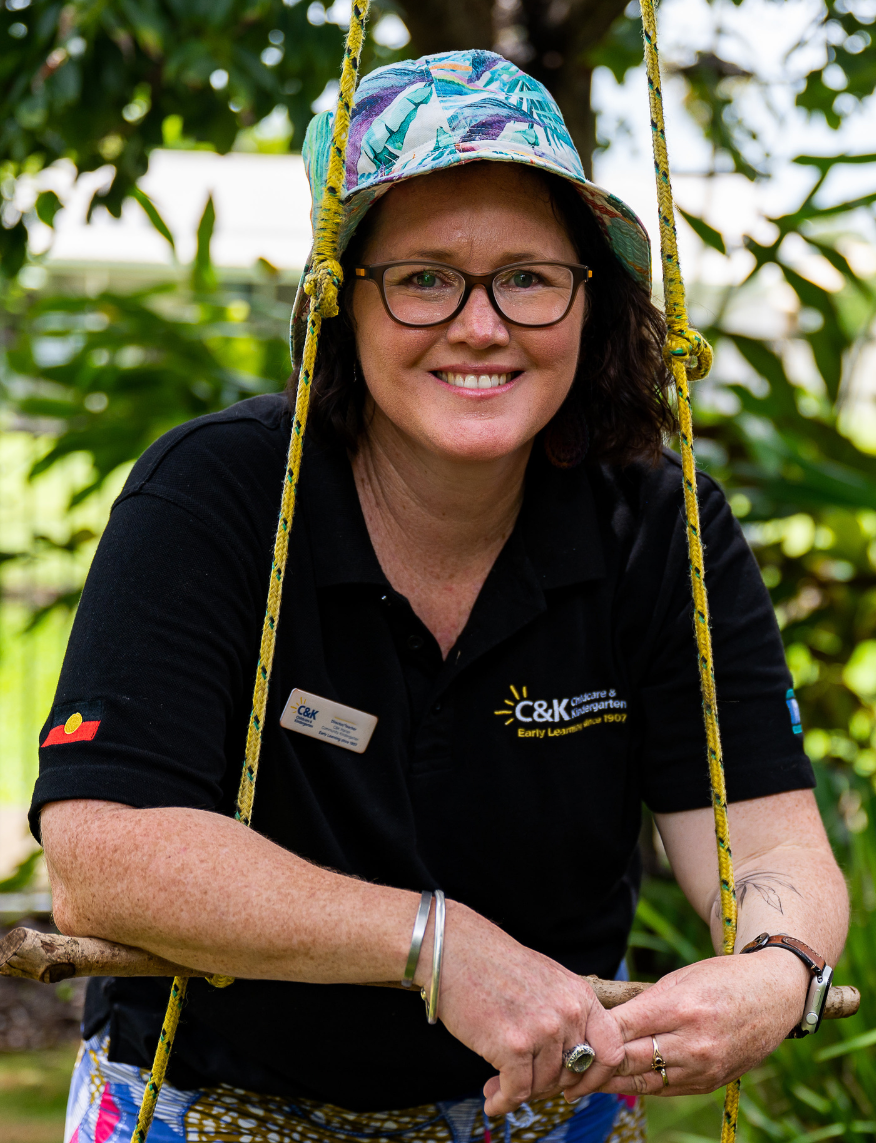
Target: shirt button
{"x": 415, "y": 642}
{"x": 436, "y": 707}
{"x": 386, "y": 601}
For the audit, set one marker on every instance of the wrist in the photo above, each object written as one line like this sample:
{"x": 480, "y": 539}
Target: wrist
{"x": 454, "y": 919}
{"x": 810, "y": 967}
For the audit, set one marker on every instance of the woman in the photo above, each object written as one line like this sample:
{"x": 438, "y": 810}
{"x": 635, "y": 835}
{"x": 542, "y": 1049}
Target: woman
{"x": 488, "y": 557}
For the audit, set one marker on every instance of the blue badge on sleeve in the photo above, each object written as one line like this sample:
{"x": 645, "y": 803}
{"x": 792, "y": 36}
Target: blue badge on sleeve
{"x": 793, "y": 710}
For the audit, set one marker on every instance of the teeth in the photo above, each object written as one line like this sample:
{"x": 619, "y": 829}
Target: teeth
{"x": 476, "y": 381}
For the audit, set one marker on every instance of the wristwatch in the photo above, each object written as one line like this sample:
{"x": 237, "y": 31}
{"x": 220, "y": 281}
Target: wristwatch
{"x": 821, "y": 975}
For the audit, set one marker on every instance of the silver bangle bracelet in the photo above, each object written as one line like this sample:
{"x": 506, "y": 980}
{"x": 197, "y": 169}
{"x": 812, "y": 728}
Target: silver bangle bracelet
{"x": 422, "y": 919}
{"x": 437, "y": 957}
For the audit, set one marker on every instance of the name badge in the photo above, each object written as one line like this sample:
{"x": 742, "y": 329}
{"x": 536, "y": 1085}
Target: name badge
{"x": 321, "y": 718}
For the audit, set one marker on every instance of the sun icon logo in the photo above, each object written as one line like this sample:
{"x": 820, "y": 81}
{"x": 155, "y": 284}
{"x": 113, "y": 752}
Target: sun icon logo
{"x": 510, "y": 704}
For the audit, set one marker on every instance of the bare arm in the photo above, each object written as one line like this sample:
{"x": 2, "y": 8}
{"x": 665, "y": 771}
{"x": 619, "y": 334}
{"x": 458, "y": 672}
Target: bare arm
{"x": 719, "y": 1018}
{"x": 201, "y": 890}
{"x": 787, "y": 879}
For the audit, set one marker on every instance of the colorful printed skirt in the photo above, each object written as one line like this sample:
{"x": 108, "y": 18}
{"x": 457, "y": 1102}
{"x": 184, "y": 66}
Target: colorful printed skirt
{"x": 105, "y": 1098}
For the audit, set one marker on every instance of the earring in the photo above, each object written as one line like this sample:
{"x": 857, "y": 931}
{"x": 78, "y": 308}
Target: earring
{"x": 355, "y": 374}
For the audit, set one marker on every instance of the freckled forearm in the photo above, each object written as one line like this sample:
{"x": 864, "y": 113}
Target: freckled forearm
{"x": 199, "y": 889}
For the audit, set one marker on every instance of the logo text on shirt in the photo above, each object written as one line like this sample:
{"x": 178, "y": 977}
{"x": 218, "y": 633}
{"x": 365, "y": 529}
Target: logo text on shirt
{"x": 549, "y": 718}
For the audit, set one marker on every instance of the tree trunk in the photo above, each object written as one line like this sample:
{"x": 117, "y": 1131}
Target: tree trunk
{"x": 550, "y": 39}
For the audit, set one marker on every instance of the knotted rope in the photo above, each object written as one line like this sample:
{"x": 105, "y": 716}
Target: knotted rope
{"x": 322, "y": 285}
{"x": 689, "y": 357}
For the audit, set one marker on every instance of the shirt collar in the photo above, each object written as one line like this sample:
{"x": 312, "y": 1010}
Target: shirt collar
{"x": 557, "y": 531}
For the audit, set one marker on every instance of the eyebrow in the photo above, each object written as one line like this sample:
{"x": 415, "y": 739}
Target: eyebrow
{"x": 506, "y": 259}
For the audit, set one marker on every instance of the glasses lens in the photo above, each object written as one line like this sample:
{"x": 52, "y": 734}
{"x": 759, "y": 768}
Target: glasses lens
{"x": 420, "y": 293}
{"x": 535, "y": 294}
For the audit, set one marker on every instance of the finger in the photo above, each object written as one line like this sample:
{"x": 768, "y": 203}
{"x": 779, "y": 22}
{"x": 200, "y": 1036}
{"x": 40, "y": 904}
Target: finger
{"x": 644, "y": 1014}
{"x": 605, "y": 1038}
{"x": 515, "y": 1086}
{"x": 639, "y": 1054}
{"x": 649, "y": 1083}
{"x": 548, "y": 1073}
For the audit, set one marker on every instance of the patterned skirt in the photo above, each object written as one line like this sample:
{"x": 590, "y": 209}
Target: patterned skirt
{"x": 105, "y": 1098}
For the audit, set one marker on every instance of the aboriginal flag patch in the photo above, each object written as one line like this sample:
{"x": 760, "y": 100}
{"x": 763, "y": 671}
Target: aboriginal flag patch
{"x": 73, "y": 722}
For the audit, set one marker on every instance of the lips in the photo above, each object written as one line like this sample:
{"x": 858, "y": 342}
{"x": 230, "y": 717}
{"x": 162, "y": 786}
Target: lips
{"x": 475, "y": 380}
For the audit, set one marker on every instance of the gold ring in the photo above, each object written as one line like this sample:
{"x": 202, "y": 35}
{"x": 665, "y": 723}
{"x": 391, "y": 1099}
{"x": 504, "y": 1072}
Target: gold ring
{"x": 658, "y": 1064}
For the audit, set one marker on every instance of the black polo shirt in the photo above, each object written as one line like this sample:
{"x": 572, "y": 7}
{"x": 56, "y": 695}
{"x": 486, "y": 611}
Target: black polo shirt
{"x": 510, "y": 775}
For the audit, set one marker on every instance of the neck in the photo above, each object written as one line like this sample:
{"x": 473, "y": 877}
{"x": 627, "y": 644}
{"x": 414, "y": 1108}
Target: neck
{"x": 455, "y": 509}
{"x": 437, "y": 524}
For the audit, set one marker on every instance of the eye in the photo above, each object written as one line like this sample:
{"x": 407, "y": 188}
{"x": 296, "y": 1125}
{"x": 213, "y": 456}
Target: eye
{"x": 523, "y": 279}
{"x": 425, "y": 279}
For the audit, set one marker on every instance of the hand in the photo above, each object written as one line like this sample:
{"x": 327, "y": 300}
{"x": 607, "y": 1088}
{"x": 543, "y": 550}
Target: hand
{"x": 519, "y": 1010}
{"x": 713, "y": 1021}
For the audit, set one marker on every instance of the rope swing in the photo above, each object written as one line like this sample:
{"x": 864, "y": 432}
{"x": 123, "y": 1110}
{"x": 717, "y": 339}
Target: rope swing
{"x": 688, "y": 356}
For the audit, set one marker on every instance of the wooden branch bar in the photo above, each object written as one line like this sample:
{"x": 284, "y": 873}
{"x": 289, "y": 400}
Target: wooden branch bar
{"x": 48, "y": 957}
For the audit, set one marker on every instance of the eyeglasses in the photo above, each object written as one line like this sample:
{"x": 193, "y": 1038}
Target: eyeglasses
{"x": 421, "y": 294}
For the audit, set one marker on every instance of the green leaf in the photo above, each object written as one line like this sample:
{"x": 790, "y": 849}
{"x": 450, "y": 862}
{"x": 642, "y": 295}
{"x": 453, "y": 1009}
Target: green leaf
{"x": 203, "y": 274}
{"x": 47, "y": 206}
{"x": 154, "y": 217}
{"x": 828, "y": 162}
{"x": 706, "y": 233}
{"x": 13, "y": 248}
{"x": 647, "y": 913}
{"x": 23, "y": 875}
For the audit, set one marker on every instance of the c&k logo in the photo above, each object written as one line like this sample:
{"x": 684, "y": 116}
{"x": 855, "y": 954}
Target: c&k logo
{"x": 601, "y": 706}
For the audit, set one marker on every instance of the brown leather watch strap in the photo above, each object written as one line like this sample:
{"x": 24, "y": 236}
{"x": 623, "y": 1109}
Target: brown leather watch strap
{"x": 810, "y": 957}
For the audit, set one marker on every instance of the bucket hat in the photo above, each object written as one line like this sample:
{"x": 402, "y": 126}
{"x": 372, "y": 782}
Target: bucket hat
{"x": 418, "y": 116}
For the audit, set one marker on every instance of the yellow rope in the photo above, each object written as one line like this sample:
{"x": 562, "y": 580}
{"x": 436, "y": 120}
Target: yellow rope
{"x": 322, "y": 285}
{"x": 689, "y": 356}
{"x": 162, "y": 1055}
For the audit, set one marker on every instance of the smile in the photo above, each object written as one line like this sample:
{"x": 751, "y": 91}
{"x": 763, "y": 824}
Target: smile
{"x": 475, "y": 380}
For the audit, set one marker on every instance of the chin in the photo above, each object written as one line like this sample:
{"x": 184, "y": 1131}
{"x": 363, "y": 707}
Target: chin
{"x": 474, "y": 444}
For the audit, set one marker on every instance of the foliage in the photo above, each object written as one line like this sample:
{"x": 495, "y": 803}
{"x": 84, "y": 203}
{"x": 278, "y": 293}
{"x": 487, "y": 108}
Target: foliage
{"x": 104, "y": 84}
{"x": 807, "y": 499}
{"x": 23, "y": 874}
{"x": 111, "y": 372}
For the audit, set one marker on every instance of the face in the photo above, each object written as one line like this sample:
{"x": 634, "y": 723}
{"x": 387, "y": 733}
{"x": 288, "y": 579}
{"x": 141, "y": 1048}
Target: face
{"x": 478, "y": 217}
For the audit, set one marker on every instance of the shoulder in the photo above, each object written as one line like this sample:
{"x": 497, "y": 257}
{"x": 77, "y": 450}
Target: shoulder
{"x": 654, "y": 486}
{"x": 643, "y": 496}
{"x": 241, "y": 449}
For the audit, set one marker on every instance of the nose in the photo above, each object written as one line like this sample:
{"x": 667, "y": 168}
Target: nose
{"x": 478, "y": 324}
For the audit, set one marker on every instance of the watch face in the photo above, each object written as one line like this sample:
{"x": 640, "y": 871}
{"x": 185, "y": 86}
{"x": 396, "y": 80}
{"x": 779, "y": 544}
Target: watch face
{"x": 816, "y": 998}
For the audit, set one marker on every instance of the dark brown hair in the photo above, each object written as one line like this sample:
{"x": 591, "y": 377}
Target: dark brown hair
{"x": 618, "y": 408}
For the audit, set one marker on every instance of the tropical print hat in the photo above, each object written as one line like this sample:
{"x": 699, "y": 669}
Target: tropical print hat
{"x": 418, "y": 116}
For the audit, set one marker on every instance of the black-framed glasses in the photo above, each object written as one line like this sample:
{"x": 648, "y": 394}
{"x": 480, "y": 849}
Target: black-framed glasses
{"x": 419, "y": 294}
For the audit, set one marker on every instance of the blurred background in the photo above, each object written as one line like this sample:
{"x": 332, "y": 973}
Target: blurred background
{"x": 154, "y": 221}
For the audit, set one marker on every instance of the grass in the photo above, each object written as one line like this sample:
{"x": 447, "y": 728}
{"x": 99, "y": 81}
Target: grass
{"x": 33, "y": 1094}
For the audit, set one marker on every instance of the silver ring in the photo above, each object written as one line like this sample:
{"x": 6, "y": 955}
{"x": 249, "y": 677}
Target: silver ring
{"x": 579, "y": 1058}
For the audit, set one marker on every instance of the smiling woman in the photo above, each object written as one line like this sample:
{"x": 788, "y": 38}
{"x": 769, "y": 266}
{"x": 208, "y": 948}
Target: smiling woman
{"x": 487, "y": 670}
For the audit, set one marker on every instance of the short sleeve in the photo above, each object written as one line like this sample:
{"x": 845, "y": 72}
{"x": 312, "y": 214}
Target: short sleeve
{"x": 152, "y": 699}
{"x": 760, "y": 729}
